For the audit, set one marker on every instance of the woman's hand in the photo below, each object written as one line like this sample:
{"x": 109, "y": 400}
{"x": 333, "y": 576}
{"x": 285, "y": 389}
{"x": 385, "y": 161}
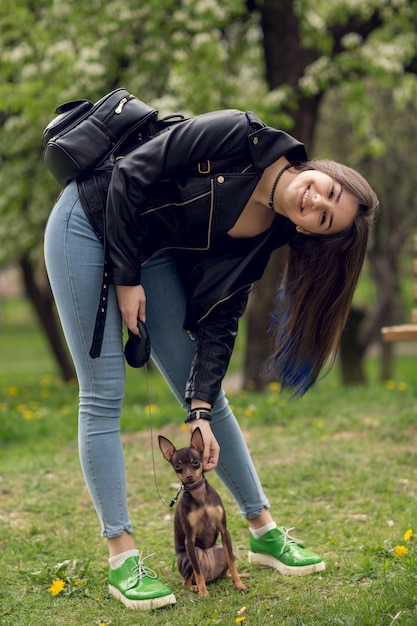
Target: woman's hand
{"x": 211, "y": 447}
{"x": 132, "y": 305}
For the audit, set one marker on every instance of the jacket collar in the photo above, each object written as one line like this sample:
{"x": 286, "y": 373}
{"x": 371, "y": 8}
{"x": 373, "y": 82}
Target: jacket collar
{"x": 267, "y": 145}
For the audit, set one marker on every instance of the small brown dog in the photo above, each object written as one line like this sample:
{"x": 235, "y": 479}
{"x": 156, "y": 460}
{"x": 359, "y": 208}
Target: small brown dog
{"x": 199, "y": 518}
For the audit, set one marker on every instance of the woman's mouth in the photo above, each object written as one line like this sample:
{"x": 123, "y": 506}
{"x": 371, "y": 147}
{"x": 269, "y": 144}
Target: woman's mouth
{"x": 304, "y": 198}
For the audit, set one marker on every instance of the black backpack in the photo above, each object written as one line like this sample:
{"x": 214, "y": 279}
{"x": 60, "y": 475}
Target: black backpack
{"x": 83, "y": 135}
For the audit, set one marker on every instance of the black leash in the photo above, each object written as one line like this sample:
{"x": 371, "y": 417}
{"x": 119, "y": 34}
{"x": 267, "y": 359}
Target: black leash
{"x": 177, "y": 495}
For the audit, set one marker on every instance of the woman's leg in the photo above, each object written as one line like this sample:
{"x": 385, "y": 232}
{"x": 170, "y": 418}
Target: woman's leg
{"x": 74, "y": 260}
{"x": 172, "y": 351}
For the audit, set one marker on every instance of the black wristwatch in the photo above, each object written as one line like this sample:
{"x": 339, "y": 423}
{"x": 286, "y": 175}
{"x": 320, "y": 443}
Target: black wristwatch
{"x": 198, "y": 414}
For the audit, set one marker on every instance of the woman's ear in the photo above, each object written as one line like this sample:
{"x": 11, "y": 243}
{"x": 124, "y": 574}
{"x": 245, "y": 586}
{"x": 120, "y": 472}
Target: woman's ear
{"x": 302, "y": 231}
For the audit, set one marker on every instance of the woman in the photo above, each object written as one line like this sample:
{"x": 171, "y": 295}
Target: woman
{"x": 192, "y": 217}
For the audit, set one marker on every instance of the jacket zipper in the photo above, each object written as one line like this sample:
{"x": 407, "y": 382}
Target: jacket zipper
{"x": 249, "y": 285}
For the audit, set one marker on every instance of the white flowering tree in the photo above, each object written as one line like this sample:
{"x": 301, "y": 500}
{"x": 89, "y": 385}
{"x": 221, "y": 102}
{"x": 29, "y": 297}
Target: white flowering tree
{"x": 276, "y": 57}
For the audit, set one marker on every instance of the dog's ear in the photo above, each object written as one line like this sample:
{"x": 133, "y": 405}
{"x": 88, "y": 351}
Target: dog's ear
{"x": 167, "y": 448}
{"x": 197, "y": 440}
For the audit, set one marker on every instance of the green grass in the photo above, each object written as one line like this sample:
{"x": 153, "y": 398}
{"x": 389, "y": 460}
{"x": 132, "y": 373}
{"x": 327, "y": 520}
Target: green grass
{"x": 340, "y": 465}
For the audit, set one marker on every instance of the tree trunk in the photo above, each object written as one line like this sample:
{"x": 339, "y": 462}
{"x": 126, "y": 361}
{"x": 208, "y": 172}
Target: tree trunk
{"x": 285, "y": 56}
{"x": 42, "y": 302}
{"x": 387, "y": 361}
{"x": 351, "y": 352}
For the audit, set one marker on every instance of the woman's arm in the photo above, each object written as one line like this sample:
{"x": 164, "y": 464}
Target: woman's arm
{"x": 132, "y": 305}
{"x": 213, "y": 349}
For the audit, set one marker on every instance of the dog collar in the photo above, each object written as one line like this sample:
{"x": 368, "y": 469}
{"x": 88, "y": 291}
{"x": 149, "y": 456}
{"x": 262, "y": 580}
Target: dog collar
{"x": 196, "y": 486}
{"x": 183, "y": 486}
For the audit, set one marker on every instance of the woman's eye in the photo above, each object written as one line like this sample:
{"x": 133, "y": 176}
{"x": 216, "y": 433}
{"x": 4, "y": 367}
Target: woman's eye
{"x": 331, "y": 194}
{"x": 323, "y": 219}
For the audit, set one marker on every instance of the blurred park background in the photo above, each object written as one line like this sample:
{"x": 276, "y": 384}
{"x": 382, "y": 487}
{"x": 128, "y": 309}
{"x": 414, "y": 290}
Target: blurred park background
{"x": 341, "y": 76}
{"x": 340, "y": 463}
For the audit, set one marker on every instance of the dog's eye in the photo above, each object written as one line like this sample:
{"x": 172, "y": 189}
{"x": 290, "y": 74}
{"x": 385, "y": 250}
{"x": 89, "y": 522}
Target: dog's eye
{"x": 178, "y": 467}
{"x": 195, "y": 463}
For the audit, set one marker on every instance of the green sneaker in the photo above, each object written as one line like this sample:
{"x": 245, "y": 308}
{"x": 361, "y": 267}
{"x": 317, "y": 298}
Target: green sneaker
{"x": 279, "y": 550}
{"x": 138, "y": 587}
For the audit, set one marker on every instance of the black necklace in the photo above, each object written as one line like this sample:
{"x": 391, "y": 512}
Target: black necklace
{"x": 274, "y": 186}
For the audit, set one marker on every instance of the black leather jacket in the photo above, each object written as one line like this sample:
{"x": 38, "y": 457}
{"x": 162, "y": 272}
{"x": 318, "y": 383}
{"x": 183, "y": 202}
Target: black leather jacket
{"x": 183, "y": 190}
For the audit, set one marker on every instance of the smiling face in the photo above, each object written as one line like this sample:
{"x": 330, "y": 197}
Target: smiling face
{"x": 317, "y": 204}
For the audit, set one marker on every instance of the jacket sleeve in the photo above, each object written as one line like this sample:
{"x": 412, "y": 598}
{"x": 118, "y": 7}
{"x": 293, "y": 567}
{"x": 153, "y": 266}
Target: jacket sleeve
{"x": 215, "y": 340}
{"x": 171, "y": 153}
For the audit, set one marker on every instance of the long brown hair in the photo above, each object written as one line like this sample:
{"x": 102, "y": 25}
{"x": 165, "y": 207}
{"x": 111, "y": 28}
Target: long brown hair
{"x": 316, "y": 292}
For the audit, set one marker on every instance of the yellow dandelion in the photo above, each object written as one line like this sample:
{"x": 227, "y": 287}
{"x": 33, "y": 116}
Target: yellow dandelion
{"x": 408, "y": 534}
{"x": 400, "y": 551}
{"x": 274, "y": 386}
{"x": 402, "y": 386}
{"x": 79, "y": 583}
{"x": 57, "y": 586}
{"x": 390, "y": 384}
{"x": 12, "y": 391}
{"x": 239, "y": 620}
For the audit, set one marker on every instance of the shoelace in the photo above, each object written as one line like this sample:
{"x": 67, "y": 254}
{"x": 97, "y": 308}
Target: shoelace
{"x": 288, "y": 539}
{"x": 140, "y": 570}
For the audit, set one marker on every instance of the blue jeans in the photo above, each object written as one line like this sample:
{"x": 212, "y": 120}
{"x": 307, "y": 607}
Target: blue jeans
{"x": 74, "y": 261}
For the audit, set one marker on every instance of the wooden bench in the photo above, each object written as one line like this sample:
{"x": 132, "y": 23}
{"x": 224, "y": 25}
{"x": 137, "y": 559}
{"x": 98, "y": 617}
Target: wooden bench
{"x": 404, "y": 332}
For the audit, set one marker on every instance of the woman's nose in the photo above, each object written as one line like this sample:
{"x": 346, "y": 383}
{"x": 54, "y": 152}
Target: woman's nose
{"x": 318, "y": 203}
{"x": 315, "y": 201}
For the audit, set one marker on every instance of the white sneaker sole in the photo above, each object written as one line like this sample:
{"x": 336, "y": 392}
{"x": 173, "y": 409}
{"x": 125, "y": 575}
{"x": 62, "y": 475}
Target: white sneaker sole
{"x": 142, "y": 605}
{"x": 286, "y": 570}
